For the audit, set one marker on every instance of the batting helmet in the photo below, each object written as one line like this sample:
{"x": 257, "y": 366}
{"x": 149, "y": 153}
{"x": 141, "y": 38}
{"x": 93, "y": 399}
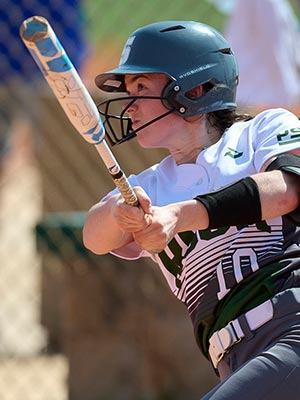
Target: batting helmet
{"x": 190, "y": 54}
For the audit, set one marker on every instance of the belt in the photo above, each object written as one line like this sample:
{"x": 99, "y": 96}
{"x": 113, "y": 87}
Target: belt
{"x": 222, "y": 340}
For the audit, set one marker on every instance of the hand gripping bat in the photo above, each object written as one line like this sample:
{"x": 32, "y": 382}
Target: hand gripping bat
{"x": 68, "y": 88}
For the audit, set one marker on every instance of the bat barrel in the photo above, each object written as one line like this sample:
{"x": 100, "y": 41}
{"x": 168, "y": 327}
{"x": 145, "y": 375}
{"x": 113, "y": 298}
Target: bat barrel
{"x": 68, "y": 88}
{"x": 62, "y": 77}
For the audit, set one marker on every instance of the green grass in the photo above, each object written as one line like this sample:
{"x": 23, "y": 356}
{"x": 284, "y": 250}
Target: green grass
{"x": 113, "y": 21}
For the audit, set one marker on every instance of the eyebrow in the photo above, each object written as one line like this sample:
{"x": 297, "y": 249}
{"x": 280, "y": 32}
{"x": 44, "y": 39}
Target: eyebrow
{"x": 134, "y": 78}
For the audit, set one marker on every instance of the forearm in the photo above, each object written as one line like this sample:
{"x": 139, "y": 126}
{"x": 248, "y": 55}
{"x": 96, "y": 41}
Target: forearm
{"x": 278, "y": 195}
{"x": 101, "y": 232}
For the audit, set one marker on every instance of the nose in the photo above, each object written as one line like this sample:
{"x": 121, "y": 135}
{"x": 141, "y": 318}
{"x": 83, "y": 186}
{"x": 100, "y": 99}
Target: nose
{"x": 129, "y": 105}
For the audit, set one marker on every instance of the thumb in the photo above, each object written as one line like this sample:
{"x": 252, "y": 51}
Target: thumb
{"x": 144, "y": 200}
{"x": 145, "y": 204}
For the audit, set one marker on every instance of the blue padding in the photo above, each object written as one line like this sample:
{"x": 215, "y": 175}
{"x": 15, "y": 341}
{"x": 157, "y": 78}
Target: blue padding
{"x": 96, "y": 137}
{"x": 47, "y": 47}
{"x": 60, "y": 64}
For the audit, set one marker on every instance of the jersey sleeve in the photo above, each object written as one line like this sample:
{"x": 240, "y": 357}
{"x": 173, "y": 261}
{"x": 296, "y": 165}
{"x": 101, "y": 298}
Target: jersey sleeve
{"x": 130, "y": 252}
{"x": 275, "y": 132}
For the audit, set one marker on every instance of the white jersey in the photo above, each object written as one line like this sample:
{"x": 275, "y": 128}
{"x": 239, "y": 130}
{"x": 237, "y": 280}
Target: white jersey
{"x": 202, "y": 267}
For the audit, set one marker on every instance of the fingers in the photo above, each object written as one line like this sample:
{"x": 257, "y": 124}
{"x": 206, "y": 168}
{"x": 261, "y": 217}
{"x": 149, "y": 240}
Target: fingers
{"x": 158, "y": 233}
{"x": 151, "y": 243}
{"x": 132, "y": 219}
{"x": 144, "y": 200}
{"x": 152, "y": 228}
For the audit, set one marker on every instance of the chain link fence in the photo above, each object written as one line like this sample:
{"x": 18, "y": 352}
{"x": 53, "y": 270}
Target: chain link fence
{"x": 73, "y": 325}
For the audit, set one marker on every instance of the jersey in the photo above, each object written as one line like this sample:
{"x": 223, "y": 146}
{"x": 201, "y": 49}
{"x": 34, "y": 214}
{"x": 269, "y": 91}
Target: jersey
{"x": 243, "y": 264}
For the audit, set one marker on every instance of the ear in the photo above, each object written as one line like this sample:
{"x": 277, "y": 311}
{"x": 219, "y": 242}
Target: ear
{"x": 195, "y": 93}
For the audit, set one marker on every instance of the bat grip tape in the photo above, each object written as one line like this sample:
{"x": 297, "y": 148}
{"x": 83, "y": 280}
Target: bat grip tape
{"x": 125, "y": 188}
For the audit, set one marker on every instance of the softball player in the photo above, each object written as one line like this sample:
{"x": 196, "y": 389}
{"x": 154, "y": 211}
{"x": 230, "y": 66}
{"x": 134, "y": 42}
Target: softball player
{"x": 219, "y": 215}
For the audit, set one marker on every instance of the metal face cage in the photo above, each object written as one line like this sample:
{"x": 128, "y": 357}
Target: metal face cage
{"x": 117, "y": 123}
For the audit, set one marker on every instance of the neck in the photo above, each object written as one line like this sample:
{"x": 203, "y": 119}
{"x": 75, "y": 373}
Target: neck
{"x": 187, "y": 157}
{"x": 193, "y": 142}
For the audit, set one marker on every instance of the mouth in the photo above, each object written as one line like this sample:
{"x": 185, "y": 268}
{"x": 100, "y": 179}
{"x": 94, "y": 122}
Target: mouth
{"x": 135, "y": 123}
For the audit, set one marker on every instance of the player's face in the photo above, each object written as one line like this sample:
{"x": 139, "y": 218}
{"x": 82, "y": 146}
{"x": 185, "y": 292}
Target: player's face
{"x": 160, "y": 133}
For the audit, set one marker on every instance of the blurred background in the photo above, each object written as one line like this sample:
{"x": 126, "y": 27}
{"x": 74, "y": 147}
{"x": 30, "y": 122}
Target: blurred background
{"x": 75, "y": 326}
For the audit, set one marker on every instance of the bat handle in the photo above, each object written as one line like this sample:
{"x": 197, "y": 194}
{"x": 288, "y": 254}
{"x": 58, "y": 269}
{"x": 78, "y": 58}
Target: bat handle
{"x": 125, "y": 188}
{"x": 117, "y": 174}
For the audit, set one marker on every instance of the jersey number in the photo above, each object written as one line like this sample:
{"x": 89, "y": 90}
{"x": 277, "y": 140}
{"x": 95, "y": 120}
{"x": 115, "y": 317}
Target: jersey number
{"x": 236, "y": 261}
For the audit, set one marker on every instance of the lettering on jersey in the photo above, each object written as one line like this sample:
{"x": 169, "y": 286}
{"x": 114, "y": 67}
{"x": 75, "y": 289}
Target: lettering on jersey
{"x": 184, "y": 243}
{"x": 261, "y": 226}
{"x": 289, "y": 136}
{"x": 212, "y": 233}
{"x": 233, "y": 153}
{"x": 172, "y": 257}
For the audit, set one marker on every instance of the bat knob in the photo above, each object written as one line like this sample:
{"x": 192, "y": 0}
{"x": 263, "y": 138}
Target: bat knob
{"x": 34, "y": 29}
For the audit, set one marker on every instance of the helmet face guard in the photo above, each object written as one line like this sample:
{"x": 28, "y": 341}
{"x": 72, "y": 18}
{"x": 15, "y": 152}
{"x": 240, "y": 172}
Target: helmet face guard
{"x": 118, "y": 127}
{"x": 190, "y": 54}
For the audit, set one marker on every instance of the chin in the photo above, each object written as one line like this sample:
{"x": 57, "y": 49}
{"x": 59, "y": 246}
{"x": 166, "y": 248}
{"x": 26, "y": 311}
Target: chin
{"x": 143, "y": 143}
{"x": 145, "y": 139}
{"x": 141, "y": 139}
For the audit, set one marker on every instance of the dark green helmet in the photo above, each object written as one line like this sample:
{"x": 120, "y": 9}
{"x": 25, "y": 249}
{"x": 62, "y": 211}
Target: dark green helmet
{"x": 190, "y": 54}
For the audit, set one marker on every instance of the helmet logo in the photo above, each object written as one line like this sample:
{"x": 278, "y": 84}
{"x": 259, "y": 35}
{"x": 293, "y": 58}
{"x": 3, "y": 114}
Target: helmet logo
{"x": 196, "y": 70}
{"x": 126, "y": 50}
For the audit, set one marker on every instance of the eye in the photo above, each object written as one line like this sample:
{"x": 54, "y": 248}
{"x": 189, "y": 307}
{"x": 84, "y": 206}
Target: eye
{"x": 137, "y": 86}
{"x": 140, "y": 87}
{"x": 135, "y": 90}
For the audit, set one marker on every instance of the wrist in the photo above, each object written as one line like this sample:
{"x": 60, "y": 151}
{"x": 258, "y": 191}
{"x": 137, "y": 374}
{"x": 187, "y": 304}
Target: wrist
{"x": 191, "y": 216}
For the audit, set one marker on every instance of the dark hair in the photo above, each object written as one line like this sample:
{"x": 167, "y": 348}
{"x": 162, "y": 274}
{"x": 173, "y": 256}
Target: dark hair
{"x": 223, "y": 119}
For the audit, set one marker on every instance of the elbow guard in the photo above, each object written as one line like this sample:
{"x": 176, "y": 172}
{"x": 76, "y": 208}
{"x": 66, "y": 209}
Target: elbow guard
{"x": 287, "y": 163}
{"x": 291, "y": 164}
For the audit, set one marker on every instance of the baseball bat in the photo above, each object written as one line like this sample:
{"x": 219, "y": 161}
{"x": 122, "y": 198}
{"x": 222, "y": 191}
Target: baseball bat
{"x": 67, "y": 86}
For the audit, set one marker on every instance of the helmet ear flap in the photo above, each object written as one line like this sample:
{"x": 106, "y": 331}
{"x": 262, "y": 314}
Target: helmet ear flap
{"x": 170, "y": 98}
{"x": 177, "y": 98}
